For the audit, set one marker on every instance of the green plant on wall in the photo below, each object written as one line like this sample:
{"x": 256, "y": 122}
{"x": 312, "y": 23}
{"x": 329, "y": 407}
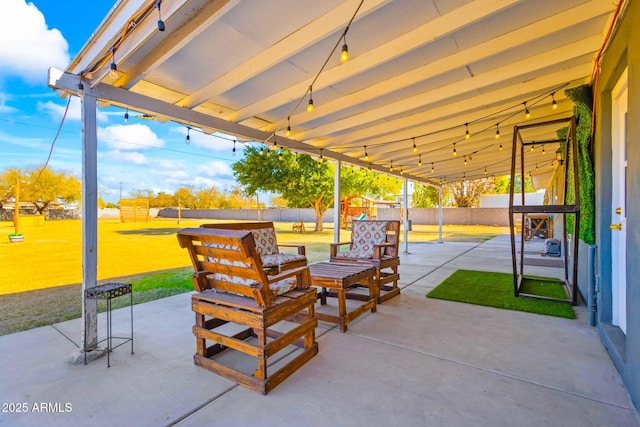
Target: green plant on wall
{"x": 582, "y": 98}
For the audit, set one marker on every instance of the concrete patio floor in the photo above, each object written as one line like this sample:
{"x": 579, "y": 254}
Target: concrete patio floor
{"x": 417, "y": 361}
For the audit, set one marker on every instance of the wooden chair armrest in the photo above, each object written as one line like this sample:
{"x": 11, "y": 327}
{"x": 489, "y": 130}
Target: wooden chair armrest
{"x": 378, "y": 250}
{"x": 333, "y": 247}
{"x": 301, "y": 248}
{"x": 200, "y": 282}
{"x": 305, "y": 283}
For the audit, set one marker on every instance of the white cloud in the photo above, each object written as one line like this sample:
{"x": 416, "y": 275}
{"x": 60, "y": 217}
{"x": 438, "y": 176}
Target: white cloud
{"x": 127, "y": 157}
{"x": 56, "y": 111}
{"x": 4, "y": 108}
{"x": 214, "y": 169}
{"x": 27, "y": 46}
{"x": 129, "y": 137}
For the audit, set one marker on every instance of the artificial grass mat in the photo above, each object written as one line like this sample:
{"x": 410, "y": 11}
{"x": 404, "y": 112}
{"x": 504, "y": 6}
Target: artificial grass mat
{"x": 496, "y": 290}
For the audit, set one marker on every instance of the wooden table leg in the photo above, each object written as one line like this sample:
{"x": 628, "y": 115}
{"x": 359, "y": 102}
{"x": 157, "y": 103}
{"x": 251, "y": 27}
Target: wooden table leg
{"x": 342, "y": 308}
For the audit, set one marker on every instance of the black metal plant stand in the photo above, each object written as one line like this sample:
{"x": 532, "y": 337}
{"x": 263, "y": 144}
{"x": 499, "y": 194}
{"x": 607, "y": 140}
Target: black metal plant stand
{"x": 567, "y": 158}
{"x": 108, "y": 292}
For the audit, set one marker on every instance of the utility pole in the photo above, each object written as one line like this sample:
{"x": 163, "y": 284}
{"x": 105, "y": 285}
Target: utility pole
{"x": 16, "y": 208}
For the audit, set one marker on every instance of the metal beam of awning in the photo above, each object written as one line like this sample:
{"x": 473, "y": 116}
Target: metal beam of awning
{"x": 71, "y": 84}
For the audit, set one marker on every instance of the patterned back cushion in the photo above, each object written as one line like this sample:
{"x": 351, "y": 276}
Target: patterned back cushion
{"x": 365, "y": 234}
{"x": 265, "y": 239}
{"x": 278, "y": 288}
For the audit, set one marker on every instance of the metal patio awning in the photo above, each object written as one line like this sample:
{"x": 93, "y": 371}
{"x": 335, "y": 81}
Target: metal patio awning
{"x": 420, "y": 74}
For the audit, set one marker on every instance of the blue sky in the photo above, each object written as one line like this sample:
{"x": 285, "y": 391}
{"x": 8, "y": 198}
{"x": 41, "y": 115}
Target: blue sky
{"x": 138, "y": 155}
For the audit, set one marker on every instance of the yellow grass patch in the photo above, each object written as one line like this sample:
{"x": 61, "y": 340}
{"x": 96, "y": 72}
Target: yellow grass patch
{"x": 51, "y": 255}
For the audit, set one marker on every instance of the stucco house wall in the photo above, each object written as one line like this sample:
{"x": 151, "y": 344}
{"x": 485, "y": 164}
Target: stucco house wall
{"x": 623, "y": 52}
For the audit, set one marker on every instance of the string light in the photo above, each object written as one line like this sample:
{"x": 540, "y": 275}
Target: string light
{"x": 432, "y": 168}
{"x": 527, "y": 113}
{"x": 126, "y": 116}
{"x": 160, "y": 21}
{"x": 113, "y": 68}
{"x": 262, "y": 151}
{"x": 533, "y": 147}
{"x": 233, "y": 152}
{"x": 554, "y": 104}
{"x": 344, "y": 56}
{"x": 536, "y": 166}
{"x": 543, "y": 152}
{"x": 497, "y": 130}
{"x": 401, "y": 172}
{"x": 187, "y": 140}
{"x": 465, "y": 160}
{"x": 391, "y": 166}
{"x": 366, "y": 155}
{"x": 467, "y": 135}
{"x": 415, "y": 148}
{"x": 464, "y": 177}
{"x": 485, "y": 171}
{"x": 420, "y": 160}
{"x": 310, "y": 104}
{"x": 455, "y": 153}
{"x": 500, "y": 147}
{"x": 280, "y": 155}
{"x": 275, "y": 143}
{"x": 288, "y": 132}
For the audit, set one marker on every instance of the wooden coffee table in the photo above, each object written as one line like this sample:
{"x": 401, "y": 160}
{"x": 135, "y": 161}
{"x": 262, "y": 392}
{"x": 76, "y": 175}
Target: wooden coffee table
{"x": 339, "y": 278}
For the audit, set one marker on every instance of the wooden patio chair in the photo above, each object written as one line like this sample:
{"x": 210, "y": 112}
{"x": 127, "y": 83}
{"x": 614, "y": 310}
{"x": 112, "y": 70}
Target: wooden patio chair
{"x": 374, "y": 242}
{"x": 264, "y": 234}
{"x": 246, "y": 319}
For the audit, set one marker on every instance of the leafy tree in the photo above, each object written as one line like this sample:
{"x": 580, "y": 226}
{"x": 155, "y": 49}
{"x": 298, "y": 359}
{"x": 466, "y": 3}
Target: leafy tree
{"x": 467, "y": 193}
{"x": 184, "y": 197}
{"x": 303, "y": 181}
{"x": 425, "y": 196}
{"x": 41, "y": 187}
{"x": 162, "y": 200}
{"x": 278, "y": 201}
{"x": 502, "y": 184}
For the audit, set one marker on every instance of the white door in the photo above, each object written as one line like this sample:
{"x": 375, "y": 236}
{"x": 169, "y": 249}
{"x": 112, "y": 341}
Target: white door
{"x": 619, "y": 208}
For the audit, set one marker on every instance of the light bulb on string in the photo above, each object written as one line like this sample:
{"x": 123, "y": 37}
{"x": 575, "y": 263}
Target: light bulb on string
{"x": 543, "y": 152}
{"x": 187, "y": 139}
{"x": 344, "y": 55}
{"x": 366, "y": 155}
{"x": 432, "y": 168}
{"x": 500, "y": 147}
{"x": 455, "y": 153}
{"x": 415, "y": 148}
{"x": 233, "y": 152}
{"x": 310, "y": 104}
{"x": 420, "y": 160}
{"x": 113, "y": 68}
{"x": 527, "y": 113}
{"x": 465, "y": 160}
{"x": 485, "y": 171}
{"x": 288, "y": 132}
{"x": 275, "y": 143}
{"x": 160, "y": 21}
{"x": 467, "y": 135}
{"x": 262, "y": 151}
{"x": 391, "y": 166}
{"x": 497, "y": 130}
{"x": 554, "y": 104}
{"x": 126, "y": 116}
{"x": 533, "y": 148}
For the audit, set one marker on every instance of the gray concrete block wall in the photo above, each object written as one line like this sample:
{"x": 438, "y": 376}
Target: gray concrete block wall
{"x": 470, "y": 216}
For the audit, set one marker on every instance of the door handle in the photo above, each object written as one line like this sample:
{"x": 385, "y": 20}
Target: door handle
{"x": 616, "y": 226}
